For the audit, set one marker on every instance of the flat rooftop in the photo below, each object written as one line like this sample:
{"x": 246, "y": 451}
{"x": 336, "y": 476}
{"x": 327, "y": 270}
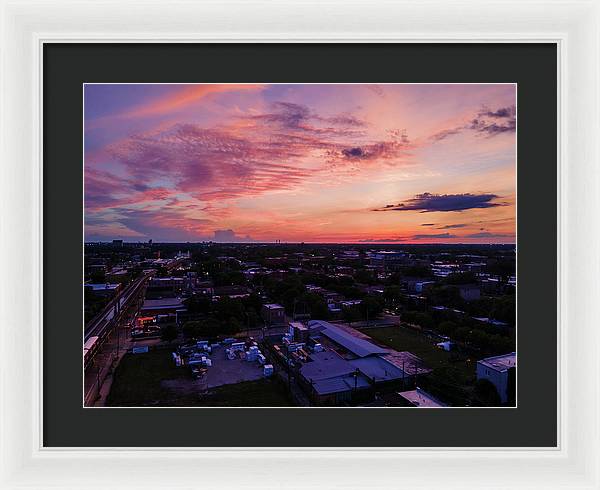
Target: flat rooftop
{"x": 358, "y": 346}
{"x": 420, "y": 398}
{"x": 102, "y": 287}
{"x": 273, "y": 306}
{"x": 500, "y": 363}
{"x": 151, "y": 304}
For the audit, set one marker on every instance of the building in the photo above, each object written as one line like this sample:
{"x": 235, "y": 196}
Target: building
{"x": 103, "y": 289}
{"x": 351, "y": 363}
{"x": 423, "y": 286}
{"x": 498, "y": 370}
{"x": 330, "y": 379}
{"x": 231, "y": 291}
{"x": 163, "y": 306}
{"x": 299, "y": 331}
{"x": 422, "y": 399}
{"x": 469, "y": 292}
{"x": 273, "y": 314}
{"x": 165, "y": 286}
{"x": 204, "y": 287}
{"x": 388, "y": 261}
{"x": 118, "y": 275}
{"x": 416, "y": 284}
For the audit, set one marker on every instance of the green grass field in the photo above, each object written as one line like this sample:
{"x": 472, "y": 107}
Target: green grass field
{"x": 139, "y": 381}
{"x": 452, "y": 378}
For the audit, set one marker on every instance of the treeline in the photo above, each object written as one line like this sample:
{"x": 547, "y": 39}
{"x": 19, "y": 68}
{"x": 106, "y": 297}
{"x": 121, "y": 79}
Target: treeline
{"x": 472, "y": 333}
{"x": 226, "y": 316}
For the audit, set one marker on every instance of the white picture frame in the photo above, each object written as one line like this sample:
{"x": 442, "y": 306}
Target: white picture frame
{"x": 575, "y": 27}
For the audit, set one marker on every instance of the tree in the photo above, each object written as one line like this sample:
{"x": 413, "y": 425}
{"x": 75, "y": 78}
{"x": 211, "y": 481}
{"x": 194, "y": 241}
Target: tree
{"x": 227, "y": 308}
{"x": 392, "y": 295}
{"x": 421, "y": 318}
{"x": 191, "y": 330}
{"x": 198, "y": 303}
{"x": 350, "y": 314}
{"x": 511, "y": 387}
{"x": 447, "y": 327}
{"x": 486, "y": 393}
{"x": 418, "y": 271}
{"x": 364, "y": 276}
{"x": 317, "y": 307}
{"x": 457, "y": 278}
{"x": 168, "y": 333}
{"x": 210, "y": 327}
{"x": 371, "y": 307}
{"x": 462, "y": 333}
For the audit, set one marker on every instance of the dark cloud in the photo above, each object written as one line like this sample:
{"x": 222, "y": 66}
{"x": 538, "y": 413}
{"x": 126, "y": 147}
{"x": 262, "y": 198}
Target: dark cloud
{"x": 449, "y": 227}
{"x": 427, "y": 203}
{"x": 486, "y": 122}
{"x": 487, "y": 234}
{"x": 427, "y": 224}
{"x": 492, "y": 128}
{"x": 286, "y": 114}
{"x": 353, "y": 152}
{"x": 434, "y": 236}
{"x": 298, "y": 117}
{"x": 384, "y": 150}
{"x": 503, "y": 112}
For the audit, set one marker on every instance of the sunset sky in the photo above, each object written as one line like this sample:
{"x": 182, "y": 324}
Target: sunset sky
{"x": 300, "y": 163}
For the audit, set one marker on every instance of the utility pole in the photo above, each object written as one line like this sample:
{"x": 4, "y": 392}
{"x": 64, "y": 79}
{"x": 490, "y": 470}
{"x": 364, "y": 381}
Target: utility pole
{"x": 403, "y": 373}
{"x": 287, "y": 362}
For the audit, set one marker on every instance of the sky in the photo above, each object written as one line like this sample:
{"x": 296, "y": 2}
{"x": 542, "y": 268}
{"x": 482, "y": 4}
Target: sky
{"x": 322, "y": 163}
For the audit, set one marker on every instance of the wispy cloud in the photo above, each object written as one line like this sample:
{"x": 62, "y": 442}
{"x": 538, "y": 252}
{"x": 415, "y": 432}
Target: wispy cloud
{"x": 239, "y": 162}
{"x": 487, "y": 234}
{"x": 485, "y": 122}
{"x": 435, "y": 236}
{"x": 188, "y": 94}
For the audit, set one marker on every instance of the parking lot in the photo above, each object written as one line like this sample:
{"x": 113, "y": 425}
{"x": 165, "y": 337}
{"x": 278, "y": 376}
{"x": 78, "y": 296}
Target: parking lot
{"x": 224, "y": 371}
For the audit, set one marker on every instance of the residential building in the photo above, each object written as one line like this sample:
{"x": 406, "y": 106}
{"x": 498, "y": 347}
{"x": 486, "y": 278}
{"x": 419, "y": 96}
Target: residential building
{"x": 388, "y": 260}
{"x": 469, "y": 292}
{"x": 420, "y": 398}
{"x": 273, "y": 314}
{"x": 497, "y": 370}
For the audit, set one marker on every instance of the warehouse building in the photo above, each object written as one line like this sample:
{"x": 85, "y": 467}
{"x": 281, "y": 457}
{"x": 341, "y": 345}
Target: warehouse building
{"x": 351, "y": 364}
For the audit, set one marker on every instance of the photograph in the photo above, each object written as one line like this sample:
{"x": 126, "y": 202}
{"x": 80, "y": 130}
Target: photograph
{"x": 299, "y": 245}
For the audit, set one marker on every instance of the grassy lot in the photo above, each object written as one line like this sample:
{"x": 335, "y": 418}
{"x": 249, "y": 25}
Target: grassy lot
{"x": 452, "y": 378}
{"x": 260, "y": 393}
{"x": 140, "y": 381}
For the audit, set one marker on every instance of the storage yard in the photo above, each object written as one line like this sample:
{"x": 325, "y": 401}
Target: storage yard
{"x": 153, "y": 379}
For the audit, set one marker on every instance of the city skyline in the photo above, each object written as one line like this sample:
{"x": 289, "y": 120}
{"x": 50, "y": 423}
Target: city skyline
{"x": 321, "y": 163}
